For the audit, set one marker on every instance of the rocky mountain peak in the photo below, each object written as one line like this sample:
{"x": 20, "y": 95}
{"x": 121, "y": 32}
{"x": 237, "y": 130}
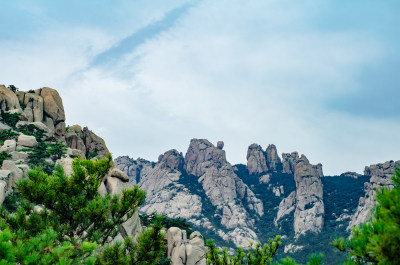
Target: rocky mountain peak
{"x": 256, "y": 160}
{"x": 202, "y": 154}
{"x": 171, "y": 159}
{"x": 274, "y": 162}
{"x": 289, "y": 162}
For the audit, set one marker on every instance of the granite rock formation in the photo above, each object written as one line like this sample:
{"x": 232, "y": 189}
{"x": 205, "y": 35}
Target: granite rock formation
{"x": 380, "y": 176}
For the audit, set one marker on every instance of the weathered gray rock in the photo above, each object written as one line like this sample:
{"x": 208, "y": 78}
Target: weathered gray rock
{"x": 274, "y": 162}
{"x": 74, "y": 139}
{"x": 256, "y": 160}
{"x": 52, "y": 104}
{"x": 380, "y": 176}
{"x": 34, "y": 103}
{"x": 289, "y": 162}
{"x": 8, "y": 99}
{"x": 117, "y": 173}
{"x": 9, "y": 146}
{"x": 16, "y": 173}
{"x": 4, "y": 127}
{"x": 27, "y": 140}
{"x": 309, "y": 212}
{"x": 287, "y": 206}
{"x": 19, "y": 156}
{"x": 66, "y": 164}
{"x": 94, "y": 144}
{"x": 350, "y": 174}
{"x": 220, "y": 145}
{"x": 185, "y": 251}
{"x": 222, "y": 186}
{"x": 44, "y": 127}
{"x": 3, "y": 190}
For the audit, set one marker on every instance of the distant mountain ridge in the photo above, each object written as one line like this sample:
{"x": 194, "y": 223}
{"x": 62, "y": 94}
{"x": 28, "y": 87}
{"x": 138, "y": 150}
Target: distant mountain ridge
{"x": 237, "y": 204}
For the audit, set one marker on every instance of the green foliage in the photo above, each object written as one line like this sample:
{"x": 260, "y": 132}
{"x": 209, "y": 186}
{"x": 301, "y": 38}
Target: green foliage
{"x": 255, "y": 256}
{"x": 57, "y": 150}
{"x": 148, "y": 249}
{"x": 92, "y": 155}
{"x": 74, "y": 223}
{"x": 7, "y": 135}
{"x": 43, "y": 249}
{"x": 13, "y": 88}
{"x": 3, "y": 156}
{"x": 32, "y": 130}
{"x": 148, "y": 219}
{"x": 315, "y": 259}
{"x": 38, "y": 158}
{"x": 9, "y": 118}
{"x": 378, "y": 241}
{"x": 12, "y": 201}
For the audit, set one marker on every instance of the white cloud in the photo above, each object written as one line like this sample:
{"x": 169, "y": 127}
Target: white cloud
{"x": 256, "y": 72}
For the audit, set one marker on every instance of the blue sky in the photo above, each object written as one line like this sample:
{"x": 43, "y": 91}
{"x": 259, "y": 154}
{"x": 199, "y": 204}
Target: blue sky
{"x": 318, "y": 77}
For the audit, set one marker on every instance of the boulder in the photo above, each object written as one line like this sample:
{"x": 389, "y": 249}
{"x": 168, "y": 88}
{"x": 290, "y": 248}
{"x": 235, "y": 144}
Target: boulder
{"x": 60, "y": 130}
{"x": 52, "y": 104}
{"x": 74, "y": 140}
{"x": 27, "y": 140}
{"x": 9, "y": 146}
{"x": 117, "y": 173}
{"x": 115, "y": 185}
{"x": 44, "y": 127}
{"x": 66, "y": 164}
{"x": 8, "y": 99}
{"x": 94, "y": 144}
{"x": 4, "y": 127}
{"x": 16, "y": 173}
{"x": 220, "y": 145}
{"x": 183, "y": 251}
{"x": 19, "y": 156}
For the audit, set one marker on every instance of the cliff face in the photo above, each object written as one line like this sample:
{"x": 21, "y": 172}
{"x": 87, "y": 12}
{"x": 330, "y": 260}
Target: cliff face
{"x": 380, "y": 176}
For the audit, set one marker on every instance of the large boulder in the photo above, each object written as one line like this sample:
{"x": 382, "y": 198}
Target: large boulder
{"x": 8, "y": 99}
{"x": 27, "y": 140}
{"x": 16, "y": 173}
{"x": 9, "y": 146}
{"x": 95, "y": 145}
{"x": 52, "y": 104}
{"x": 185, "y": 251}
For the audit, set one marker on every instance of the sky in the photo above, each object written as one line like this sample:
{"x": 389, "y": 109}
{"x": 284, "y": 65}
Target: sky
{"x": 317, "y": 77}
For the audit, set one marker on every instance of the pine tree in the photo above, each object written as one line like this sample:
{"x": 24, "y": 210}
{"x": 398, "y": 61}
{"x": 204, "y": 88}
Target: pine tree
{"x": 64, "y": 220}
{"x": 377, "y": 241}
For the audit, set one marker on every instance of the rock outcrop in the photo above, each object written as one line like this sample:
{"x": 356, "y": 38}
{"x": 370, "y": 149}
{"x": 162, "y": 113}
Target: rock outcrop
{"x": 256, "y": 160}
{"x": 289, "y": 162}
{"x": 309, "y": 212}
{"x": 274, "y": 162}
{"x": 221, "y": 184}
{"x": 380, "y": 176}
{"x": 182, "y": 250}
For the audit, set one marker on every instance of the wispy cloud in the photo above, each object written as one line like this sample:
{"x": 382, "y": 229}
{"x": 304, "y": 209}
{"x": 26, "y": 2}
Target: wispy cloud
{"x": 265, "y": 71}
